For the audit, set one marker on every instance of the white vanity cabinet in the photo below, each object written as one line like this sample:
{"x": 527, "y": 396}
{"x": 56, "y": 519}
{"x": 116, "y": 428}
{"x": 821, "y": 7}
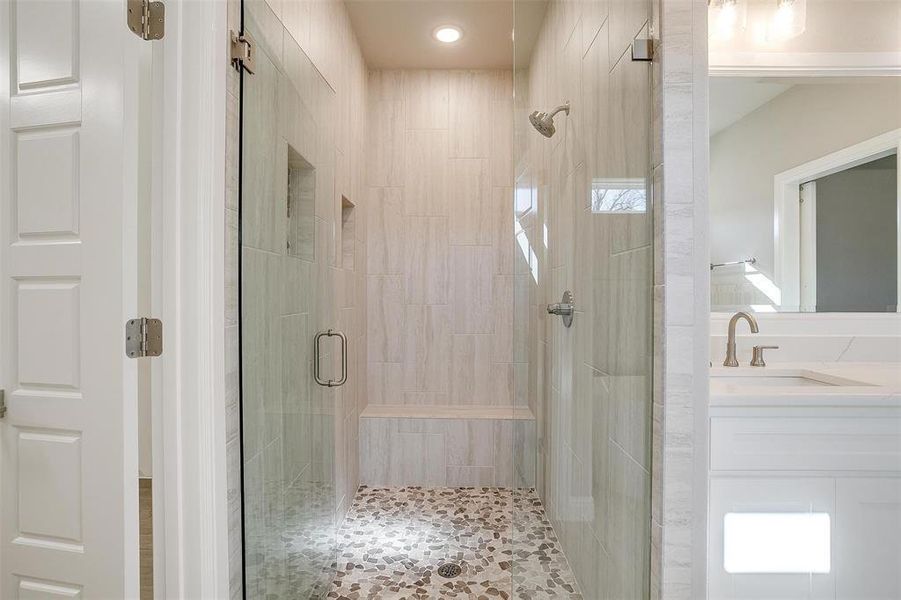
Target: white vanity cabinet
{"x": 797, "y": 460}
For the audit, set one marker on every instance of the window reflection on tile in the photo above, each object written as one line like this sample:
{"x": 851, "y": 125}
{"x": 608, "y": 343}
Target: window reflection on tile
{"x": 629, "y": 196}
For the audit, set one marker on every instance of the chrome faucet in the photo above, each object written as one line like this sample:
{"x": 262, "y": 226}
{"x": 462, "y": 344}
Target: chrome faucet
{"x": 731, "y": 361}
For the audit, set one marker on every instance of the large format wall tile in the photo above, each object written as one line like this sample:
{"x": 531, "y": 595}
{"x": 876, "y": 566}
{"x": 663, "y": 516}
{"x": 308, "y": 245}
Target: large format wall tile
{"x": 595, "y": 105}
{"x": 471, "y": 93}
{"x": 296, "y": 390}
{"x": 426, "y": 256}
{"x": 262, "y": 145}
{"x": 385, "y": 318}
{"x": 502, "y": 339}
{"x": 385, "y": 84}
{"x": 426, "y": 173}
{"x": 389, "y": 456}
{"x": 470, "y": 202}
{"x": 472, "y": 277}
{"x": 503, "y": 227}
{"x": 501, "y": 128}
{"x": 458, "y": 476}
{"x": 425, "y": 93}
{"x": 454, "y": 237}
{"x": 444, "y": 452}
{"x": 470, "y": 369}
{"x": 384, "y": 383}
{"x": 385, "y": 209}
{"x": 386, "y": 133}
{"x": 470, "y": 443}
{"x": 427, "y": 348}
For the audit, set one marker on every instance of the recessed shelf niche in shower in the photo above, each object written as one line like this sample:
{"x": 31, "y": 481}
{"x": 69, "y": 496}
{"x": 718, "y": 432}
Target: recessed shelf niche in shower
{"x": 301, "y": 205}
{"x": 348, "y": 233}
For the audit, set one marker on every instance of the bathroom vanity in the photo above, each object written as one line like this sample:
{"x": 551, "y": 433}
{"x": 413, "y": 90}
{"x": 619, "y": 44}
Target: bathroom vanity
{"x": 803, "y": 426}
{"x": 812, "y": 451}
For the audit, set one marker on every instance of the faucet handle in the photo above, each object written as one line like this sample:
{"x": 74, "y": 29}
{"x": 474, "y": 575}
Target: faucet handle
{"x": 757, "y": 355}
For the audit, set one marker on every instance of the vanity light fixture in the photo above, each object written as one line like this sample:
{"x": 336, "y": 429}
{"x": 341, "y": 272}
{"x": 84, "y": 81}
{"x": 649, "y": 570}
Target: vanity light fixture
{"x": 448, "y": 34}
{"x": 725, "y": 18}
{"x": 789, "y": 20}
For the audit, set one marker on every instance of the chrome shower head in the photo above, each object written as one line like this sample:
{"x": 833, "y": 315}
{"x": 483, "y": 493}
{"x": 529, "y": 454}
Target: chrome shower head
{"x": 544, "y": 122}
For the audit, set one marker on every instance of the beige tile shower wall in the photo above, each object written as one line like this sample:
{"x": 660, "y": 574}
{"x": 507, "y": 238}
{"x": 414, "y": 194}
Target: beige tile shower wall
{"x": 440, "y": 254}
{"x": 322, "y": 31}
{"x": 592, "y": 383}
{"x": 447, "y": 452}
{"x": 232, "y": 380}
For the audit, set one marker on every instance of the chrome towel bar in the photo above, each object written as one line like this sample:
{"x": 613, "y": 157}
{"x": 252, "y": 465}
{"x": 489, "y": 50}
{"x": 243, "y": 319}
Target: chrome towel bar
{"x": 747, "y": 261}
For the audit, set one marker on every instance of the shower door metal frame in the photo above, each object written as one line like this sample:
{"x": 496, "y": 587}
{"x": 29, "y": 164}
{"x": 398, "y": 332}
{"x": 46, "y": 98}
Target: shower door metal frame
{"x": 242, "y": 73}
{"x": 238, "y": 242}
{"x": 246, "y": 67}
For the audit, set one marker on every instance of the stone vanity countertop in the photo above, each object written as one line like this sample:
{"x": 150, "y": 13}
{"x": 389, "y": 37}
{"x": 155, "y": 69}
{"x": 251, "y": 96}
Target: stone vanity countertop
{"x": 846, "y": 385}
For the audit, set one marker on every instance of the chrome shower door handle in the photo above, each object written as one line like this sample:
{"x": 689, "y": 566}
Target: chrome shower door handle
{"x": 330, "y": 382}
{"x": 343, "y": 379}
{"x": 316, "y": 376}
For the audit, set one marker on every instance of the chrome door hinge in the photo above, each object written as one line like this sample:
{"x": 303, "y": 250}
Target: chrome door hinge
{"x": 146, "y": 19}
{"x": 143, "y": 337}
{"x": 244, "y": 51}
{"x": 2, "y": 404}
{"x": 643, "y": 49}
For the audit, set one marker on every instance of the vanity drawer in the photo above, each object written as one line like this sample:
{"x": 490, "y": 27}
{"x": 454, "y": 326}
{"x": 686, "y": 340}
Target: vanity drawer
{"x": 805, "y": 444}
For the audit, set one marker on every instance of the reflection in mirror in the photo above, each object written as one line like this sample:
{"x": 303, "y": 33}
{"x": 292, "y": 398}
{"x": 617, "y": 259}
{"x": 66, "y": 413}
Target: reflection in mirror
{"x": 804, "y": 194}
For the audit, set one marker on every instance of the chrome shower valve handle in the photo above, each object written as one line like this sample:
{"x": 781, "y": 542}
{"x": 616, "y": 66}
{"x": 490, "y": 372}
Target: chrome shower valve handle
{"x": 560, "y": 309}
{"x": 566, "y": 308}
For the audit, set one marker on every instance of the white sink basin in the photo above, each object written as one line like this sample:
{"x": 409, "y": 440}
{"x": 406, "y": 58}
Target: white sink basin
{"x": 771, "y": 381}
{"x": 741, "y": 378}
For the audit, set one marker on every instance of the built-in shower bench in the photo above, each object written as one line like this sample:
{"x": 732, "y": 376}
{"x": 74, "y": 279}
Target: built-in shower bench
{"x": 425, "y": 411}
{"x": 439, "y": 445}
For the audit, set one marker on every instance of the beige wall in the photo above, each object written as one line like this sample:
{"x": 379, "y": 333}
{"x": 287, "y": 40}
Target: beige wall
{"x": 803, "y": 124}
{"x": 592, "y": 388}
{"x": 439, "y": 269}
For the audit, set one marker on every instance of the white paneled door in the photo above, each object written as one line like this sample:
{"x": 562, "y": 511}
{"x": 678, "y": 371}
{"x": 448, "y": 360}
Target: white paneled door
{"x": 69, "y": 259}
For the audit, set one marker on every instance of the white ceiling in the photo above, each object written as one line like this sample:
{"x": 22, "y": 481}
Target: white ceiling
{"x": 732, "y": 99}
{"x": 398, "y": 33}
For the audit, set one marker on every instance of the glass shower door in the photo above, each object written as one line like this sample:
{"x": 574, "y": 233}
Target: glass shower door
{"x": 287, "y": 312}
{"x": 584, "y": 225}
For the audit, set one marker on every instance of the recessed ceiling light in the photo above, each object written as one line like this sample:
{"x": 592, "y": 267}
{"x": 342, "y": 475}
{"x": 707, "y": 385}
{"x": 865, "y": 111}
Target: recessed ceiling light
{"x": 448, "y": 34}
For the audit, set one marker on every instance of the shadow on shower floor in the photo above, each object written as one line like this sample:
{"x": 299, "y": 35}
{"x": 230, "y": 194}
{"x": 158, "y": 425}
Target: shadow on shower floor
{"x": 394, "y": 540}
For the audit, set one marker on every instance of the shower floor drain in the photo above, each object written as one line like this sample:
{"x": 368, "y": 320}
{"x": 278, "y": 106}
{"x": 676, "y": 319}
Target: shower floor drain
{"x": 449, "y": 570}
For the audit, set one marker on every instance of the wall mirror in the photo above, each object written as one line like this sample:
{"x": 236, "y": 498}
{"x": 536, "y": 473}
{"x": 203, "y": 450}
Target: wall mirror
{"x": 804, "y": 193}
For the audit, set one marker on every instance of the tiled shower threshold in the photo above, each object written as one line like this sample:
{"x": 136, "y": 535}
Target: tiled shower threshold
{"x": 394, "y": 540}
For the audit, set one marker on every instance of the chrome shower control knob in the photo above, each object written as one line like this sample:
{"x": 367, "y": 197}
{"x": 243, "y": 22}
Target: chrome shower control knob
{"x": 560, "y": 309}
{"x": 565, "y": 308}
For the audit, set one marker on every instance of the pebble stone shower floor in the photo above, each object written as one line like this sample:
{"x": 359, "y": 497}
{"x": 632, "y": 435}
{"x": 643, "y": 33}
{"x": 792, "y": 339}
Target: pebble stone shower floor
{"x": 394, "y": 540}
